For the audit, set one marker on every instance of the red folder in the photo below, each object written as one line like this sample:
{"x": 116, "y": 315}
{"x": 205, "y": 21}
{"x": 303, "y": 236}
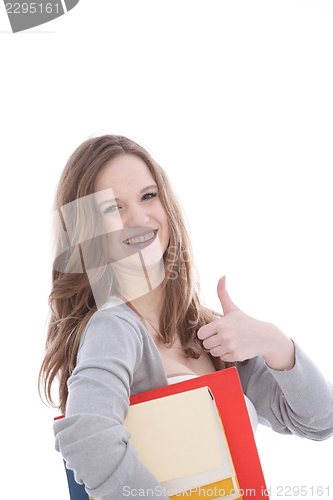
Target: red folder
{"x": 228, "y": 393}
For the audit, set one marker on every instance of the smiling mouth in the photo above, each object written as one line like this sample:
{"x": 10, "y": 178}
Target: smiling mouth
{"x": 141, "y": 239}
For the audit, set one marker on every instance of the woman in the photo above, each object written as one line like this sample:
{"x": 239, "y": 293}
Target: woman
{"x": 126, "y": 317}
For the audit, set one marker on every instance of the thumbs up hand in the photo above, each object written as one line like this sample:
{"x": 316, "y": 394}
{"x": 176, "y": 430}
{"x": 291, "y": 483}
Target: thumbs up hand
{"x": 237, "y": 336}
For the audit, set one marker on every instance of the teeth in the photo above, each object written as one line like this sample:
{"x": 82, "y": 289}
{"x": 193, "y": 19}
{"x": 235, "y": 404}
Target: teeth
{"x": 140, "y": 239}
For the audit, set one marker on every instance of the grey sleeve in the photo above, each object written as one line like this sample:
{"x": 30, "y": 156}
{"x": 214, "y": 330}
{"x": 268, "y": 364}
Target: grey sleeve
{"x": 297, "y": 401}
{"x": 92, "y": 438}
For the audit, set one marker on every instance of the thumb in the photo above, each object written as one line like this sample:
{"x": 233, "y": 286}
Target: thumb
{"x": 226, "y": 302}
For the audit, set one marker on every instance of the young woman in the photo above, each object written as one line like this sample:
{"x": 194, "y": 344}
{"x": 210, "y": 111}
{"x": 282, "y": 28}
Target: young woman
{"x": 126, "y": 318}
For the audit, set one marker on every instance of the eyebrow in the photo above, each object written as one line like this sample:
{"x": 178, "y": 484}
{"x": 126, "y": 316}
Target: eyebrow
{"x": 116, "y": 199}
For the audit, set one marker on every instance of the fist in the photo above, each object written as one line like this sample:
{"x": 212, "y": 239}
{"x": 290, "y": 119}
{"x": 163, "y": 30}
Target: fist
{"x": 236, "y": 336}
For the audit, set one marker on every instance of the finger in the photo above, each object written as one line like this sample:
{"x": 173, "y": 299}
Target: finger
{"x": 229, "y": 358}
{"x": 218, "y": 351}
{"x": 211, "y": 342}
{"x": 207, "y": 331}
{"x": 226, "y": 302}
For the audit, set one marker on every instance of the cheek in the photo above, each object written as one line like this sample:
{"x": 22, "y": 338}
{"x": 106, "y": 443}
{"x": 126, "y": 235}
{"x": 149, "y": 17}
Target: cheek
{"x": 166, "y": 231}
{"x": 166, "y": 227}
{"x": 163, "y": 218}
{"x": 113, "y": 244}
{"x": 113, "y": 223}
{"x": 116, "y": 250}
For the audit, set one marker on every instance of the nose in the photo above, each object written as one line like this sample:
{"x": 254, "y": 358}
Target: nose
{"x": 136, "y": 215}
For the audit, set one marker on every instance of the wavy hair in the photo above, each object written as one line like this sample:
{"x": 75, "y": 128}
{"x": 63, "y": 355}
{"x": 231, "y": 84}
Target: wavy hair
{"x": 71, "y": 299}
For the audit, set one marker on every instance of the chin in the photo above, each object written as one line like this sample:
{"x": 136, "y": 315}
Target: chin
{"x": 153, "y": 254}
{"x": 153, "y": 262}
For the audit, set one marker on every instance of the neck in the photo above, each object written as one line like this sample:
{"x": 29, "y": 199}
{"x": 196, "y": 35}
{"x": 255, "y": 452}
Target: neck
{"x": 149, "y": 305}
{"x": 141, "y": 285}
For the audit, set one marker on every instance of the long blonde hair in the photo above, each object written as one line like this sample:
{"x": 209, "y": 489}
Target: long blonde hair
{"x": 71, "y": 299}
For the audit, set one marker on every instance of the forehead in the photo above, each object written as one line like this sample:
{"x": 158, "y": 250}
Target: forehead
{"x": 126, "y": 173}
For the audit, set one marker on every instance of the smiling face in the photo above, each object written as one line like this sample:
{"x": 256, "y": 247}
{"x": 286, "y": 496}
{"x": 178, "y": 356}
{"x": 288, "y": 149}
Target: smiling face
{"x": 128, "y": 200}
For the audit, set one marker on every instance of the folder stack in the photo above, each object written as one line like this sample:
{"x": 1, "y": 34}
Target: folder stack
{"x": 196, "y": 438}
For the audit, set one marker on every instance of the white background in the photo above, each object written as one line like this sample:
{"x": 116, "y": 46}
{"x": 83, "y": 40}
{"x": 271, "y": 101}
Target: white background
{"x": 234, "y": 100}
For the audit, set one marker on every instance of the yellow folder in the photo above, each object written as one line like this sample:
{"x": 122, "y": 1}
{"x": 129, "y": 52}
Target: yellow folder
{"x": 180, "y": 439}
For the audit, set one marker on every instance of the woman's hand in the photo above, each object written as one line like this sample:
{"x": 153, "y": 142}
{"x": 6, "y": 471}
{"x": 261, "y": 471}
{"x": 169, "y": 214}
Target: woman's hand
{"x": 236, "y": 336}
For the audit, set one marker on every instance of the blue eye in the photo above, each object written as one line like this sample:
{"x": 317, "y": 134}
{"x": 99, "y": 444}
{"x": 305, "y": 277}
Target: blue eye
{"x": 111, "y": 209}
{"x": 114, "y": 208}
{"x": 149, "y": 195}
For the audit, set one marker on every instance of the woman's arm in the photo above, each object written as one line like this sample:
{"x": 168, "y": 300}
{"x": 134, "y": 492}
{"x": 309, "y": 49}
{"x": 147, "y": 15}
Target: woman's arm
{"x": 92, "y": 438}
{"x": 297, "y": 401}
{"x": 288, "y": 391}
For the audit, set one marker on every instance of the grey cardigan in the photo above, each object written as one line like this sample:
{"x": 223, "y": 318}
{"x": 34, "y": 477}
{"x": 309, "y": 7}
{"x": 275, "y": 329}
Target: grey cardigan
{"x": 118, "y": 358}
